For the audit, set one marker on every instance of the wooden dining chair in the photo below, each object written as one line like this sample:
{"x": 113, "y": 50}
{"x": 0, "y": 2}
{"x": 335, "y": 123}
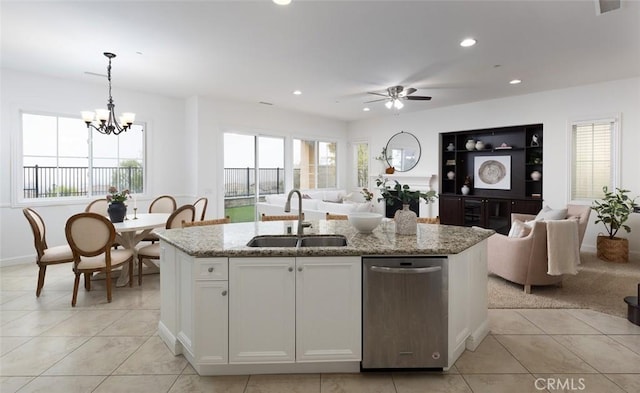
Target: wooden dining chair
{"x": 45, "y": 255}
{"x": 340, "y": 217}
{"x": 214, "y": 221}
{"x": 428, "y": 220}
{"x": 91, "y": 236}
{"x": 99, "y": 206}
{"x": 183, "y": 214}
{"x": 283, "y": 217}
{"x": 162, "y": 204}
{"x": 201, "y": 208}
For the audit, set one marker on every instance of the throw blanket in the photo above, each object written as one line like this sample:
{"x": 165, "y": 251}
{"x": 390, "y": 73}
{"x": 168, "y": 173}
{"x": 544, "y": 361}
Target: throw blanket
{"x": 562, "y": 247}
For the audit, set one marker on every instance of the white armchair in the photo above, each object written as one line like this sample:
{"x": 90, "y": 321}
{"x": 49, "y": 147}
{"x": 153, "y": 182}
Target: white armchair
{"x": 524, "y": 260}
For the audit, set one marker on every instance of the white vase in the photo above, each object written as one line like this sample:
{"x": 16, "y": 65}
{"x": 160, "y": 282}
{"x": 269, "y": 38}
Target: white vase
{"x": 406, "y": 221}
{"x": 451, "y": 175}
{"x": 479, "y": 145}
{"x": 451, "y": 147}
{"x": 465, "y": 190}
{"x": 470, "y": 145}
{"x": 536, "y": 175}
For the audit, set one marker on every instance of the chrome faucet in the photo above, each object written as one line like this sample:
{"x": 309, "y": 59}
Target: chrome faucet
{"x": 287, "y": 208}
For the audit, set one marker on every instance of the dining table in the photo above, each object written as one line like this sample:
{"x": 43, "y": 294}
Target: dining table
{"x": 130, "y": 232}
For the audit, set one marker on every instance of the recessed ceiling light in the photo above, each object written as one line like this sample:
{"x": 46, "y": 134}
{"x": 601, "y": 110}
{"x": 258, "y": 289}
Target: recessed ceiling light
{"x": 467, "y": 42}
{"x": 515, "y": 81}
{"x": 297, "y": 92}
{"x": 282, "y": 2}
{"x": 366, "y": 109}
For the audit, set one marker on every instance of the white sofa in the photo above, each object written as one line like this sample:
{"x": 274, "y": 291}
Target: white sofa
{"x": 315, "y": 204}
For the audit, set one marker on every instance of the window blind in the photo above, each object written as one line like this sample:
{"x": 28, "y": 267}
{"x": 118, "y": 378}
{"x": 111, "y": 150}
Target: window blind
{"x": 592, "y": 159}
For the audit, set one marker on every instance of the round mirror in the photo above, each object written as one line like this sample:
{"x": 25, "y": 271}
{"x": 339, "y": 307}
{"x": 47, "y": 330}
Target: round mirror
{"x": 403, "y": 151}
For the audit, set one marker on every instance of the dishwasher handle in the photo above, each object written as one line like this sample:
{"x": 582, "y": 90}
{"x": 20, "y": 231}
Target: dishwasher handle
{"x": 405, "y": 270}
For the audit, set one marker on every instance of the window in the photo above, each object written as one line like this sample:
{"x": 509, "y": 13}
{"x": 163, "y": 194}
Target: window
{"x": 62, "y": 158}
{"x": 594, "y": 158}
{"x": 361, "y": 164}
{"x": 314, "y": 164}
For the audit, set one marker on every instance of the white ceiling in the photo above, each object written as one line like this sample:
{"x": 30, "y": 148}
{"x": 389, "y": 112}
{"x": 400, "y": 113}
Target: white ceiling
{"x": 333, "y": 51}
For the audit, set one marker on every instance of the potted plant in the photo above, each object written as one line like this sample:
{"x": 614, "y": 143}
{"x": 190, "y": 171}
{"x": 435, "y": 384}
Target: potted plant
{"x": 406, "y": 220}
{"x": 117, "y": 209}
{"x": 382, "y": 157}
{"x": 402, "y": 193}
{"x": 613, "y": 211}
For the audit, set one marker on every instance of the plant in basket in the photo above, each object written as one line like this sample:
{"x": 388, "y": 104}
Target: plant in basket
{"x": 613, "y": 211}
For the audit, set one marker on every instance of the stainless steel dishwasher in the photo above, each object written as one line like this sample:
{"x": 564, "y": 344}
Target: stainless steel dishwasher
{"x": 404, "y": 312}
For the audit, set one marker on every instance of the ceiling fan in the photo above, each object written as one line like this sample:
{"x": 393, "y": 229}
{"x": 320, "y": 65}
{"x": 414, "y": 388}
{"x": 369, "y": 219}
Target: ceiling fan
{"x": 396, "y": 94}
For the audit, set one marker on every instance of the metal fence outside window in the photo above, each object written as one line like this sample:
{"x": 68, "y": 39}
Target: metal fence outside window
{"x": 241, "y": 182}
{"x": 52, "y": 182}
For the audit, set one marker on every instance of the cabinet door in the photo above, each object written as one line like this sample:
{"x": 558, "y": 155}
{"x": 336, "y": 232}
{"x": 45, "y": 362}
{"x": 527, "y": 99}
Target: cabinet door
{"x": 449, "y": 210}
{"x": 526, "y": 206}
{"x": 261, "y": 310}
{"x": 212, "y": 322}
{"x": 497, "y": 215}
{"x": 328, "y": 314}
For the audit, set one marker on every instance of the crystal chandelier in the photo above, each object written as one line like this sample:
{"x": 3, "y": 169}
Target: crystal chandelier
{"x": 107, "y": 123}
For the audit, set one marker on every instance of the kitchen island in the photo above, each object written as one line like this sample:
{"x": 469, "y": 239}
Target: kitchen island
{"x": 234, "y": 309}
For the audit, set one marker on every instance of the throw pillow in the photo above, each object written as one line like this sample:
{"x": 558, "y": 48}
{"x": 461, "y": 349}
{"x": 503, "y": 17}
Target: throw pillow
{"x": 548, "y": 213}
{"x": 519, "y": 229}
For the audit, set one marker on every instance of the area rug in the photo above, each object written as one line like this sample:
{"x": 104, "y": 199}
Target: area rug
{"x": 599, "y": 286}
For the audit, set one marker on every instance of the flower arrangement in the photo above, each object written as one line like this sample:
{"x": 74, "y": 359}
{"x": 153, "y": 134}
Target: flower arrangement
{"x": 115, "y": 196}
{"x": 402, "y": 193}
{"x": 368, "y": 195}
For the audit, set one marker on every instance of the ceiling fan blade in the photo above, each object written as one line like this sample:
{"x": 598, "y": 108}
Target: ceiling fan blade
{"x": 418, "y": 98}
{"x": 381, "y": 99}
{"x": 409, "y": 90}
{"x": 378, "y": 94}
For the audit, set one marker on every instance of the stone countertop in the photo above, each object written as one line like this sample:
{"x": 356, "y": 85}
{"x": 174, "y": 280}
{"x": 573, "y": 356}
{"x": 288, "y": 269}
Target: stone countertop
{"x": 230, "y": 240}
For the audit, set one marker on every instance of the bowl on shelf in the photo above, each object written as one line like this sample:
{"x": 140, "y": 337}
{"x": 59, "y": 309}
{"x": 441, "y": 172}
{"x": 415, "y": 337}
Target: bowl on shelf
{"x": 364, "y": 222}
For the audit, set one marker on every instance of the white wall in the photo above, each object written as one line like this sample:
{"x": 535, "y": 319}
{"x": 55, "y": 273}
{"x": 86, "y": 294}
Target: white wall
{"x": 165, "y": 138}
{"x": 555, "y": 109}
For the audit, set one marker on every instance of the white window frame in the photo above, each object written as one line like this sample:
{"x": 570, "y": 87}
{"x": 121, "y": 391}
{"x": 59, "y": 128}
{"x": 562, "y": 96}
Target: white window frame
{"x": 17, "y": 162}
{"x": 317, "y": 141}
{"x": 354, "y": 162}
{"x": 615, "y": 119}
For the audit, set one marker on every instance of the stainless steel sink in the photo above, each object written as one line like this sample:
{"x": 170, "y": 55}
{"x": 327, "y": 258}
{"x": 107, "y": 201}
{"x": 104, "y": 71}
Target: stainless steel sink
{"x": 294, "y": 241}
{"x": 273, "y": 241}
{"x": 323, "y": 241}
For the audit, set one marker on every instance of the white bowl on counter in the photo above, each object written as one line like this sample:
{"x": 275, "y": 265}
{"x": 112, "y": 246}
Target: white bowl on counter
{"x": 364, "y": 222}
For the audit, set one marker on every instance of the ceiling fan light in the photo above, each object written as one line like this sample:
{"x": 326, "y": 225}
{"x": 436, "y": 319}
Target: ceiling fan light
{"x": 467, "y": 42}
{"x": 388, "y": 104}
{"x": 398, "y": 104}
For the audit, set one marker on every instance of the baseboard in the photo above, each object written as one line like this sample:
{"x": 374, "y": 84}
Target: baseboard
{"x": 23, "y": 260}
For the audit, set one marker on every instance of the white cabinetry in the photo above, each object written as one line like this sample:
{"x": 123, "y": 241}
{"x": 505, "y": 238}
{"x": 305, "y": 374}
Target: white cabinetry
{"x": 294, "y": 309}
{"x": 194, "y": 316}
{"x": 328, "y": 292}
{"x": 262, "y": 310}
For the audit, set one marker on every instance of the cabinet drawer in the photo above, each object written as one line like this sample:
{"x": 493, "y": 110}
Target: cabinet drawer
{"x": 211, "y": 269}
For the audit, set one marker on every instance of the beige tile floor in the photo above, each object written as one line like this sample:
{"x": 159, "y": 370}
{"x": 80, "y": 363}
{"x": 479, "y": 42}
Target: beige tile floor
{"x": 48, "y": 346}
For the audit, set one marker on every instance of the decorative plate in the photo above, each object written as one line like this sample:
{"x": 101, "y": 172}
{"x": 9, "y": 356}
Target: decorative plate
{"x": 491, "y": 171}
